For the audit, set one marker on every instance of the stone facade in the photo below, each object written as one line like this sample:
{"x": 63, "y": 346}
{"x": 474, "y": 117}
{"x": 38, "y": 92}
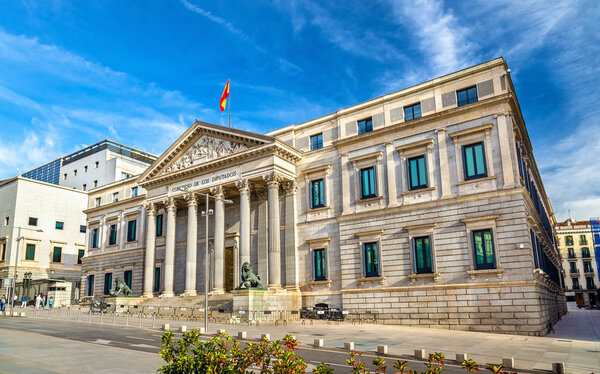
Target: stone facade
{"x": 424, "y": 207}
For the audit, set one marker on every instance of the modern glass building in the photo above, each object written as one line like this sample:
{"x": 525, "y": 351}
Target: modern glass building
{"x": 49, "y": 173}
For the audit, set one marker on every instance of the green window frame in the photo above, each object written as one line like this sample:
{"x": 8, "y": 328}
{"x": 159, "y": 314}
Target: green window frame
{"x": 423, "y": 255}
{"x": 94, "y": 239}
{"x": 371, "y": 259}
{"x": 80, "y": 255}
{"x": 112, "y": 237}
{"x": 368, "y": 183}
{"x": 57, "y": 254}
{"x": 59, "y": 225}
{"x": 589, "y": 283}
{"x": 575, "y": 283}
{"x": 474, "y": 161}
{"x": 107, "y": 283}
{"x": 572, "y": 267}
{"x": 317, "y": 193}
{"x": 33, "y": 221}
{"x": 30, "y": 252}
{"x": 571, "y": 252}
{"x": 159, "y": 225}
{"x": 582, "y": 239}
{"x": 417, "y": 173}
{"x": 587, "y": 267}
{"x": 156, "y": 279}
{"x": 131, "y": 230}
{"x": 90, "y": 285}
{"x": 365, "y": 125}
{"x": 412, "y": 112}
{"x": 569, "y": 240}
{"x": 320, "y": 264}
{"x": 82, "y": 229}
{"x": 585, "y": 252}
{"x": 483, "y": 249}
{"x": 127, "y": 275}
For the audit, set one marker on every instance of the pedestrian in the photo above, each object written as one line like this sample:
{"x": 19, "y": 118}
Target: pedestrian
{"x": 3, "y": 303}
{"x": 14, "y": 301}
{"x": 38, "y": 301}
{"x": 50, "y": 302}
{"x": 44, "y": 302}
{"x": 24, "y": 302}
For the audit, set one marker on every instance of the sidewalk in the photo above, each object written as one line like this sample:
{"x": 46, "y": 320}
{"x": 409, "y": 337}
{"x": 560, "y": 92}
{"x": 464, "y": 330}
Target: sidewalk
{"x": 575, "y": 341}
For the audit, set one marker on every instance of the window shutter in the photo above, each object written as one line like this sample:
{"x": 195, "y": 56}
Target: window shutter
{"x": 428, "y": 105}
{"x": 449, "y": 99}
{"x": 396, "y": 114}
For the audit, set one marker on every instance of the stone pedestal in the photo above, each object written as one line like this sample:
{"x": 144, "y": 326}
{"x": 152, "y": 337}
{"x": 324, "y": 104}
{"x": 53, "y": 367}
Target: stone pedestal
{"x": 267, "y": 305}
{"x": 122, "y": 304}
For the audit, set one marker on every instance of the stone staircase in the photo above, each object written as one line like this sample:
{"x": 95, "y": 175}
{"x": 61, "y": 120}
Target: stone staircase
{"x": 223, "y": 301}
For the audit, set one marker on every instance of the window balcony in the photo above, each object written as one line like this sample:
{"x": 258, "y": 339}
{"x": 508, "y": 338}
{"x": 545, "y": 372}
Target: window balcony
{"x": 583, "y": 242}
{"x": 585, "y": 255}
{"x": 574, "y": 271}
{"x": 576, "y": 287}
{"x": 572, "y": 255}
{"x": 591, "y": 286}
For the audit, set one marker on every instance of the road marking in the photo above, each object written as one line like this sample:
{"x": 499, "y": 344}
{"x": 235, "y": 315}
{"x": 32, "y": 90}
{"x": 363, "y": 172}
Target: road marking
{"x": 142, "y": 346}
{"x": 101, "y": 341}
{"x": 329, "y": 363}
{"x": 135, "y": 337}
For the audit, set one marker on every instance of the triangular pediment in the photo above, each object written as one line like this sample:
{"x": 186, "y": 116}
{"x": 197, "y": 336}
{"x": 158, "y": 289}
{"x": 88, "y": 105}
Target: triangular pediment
{"x": 200, "y": 144}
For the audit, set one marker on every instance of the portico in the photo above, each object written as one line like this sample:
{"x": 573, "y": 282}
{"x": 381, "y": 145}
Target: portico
{"x": 226, "y": 164}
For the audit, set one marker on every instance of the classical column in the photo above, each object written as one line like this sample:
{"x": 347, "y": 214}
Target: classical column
{"x": 291, "y": 240}
{"x": 391, "y": 174}
{"x": 506, "y": 151}
{"x": 262, "y": 254}
{"x": 171, "y": 206}
{"x": 272, "y": 180}
{"x": 219, "y": 238}
{"x": 192, "y": 245}
{"x": 444, "y": 164}
{"x": 345, "y": 184}
{"x": 244, "y": 187}
{"x": 150, "y": 250}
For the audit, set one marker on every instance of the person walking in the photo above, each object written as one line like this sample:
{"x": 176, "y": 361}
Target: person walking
{"x": 38, "y": 301}
{"x": 50, "y": 302}
{"x": 3, "y": 303}
{"x": 44, "y": 302}
{"x": 24, "y": 302}
{"x": 14, "y": 301}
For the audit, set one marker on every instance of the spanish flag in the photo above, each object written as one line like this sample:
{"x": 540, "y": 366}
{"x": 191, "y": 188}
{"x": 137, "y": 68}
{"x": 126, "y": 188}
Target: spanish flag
{"x": 224, "y": 96}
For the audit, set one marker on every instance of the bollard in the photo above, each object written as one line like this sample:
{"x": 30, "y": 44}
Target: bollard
{"x": 140, "y": 319}
{"x": 127, "y": 318}
{"x": 318, "y": 343}
{"x": 58, "y": 313}
{"x": 101, "y": 316}
{"x": 382, "y": 349}
{"x": 266, "y": 336}
{"x": 78, "y": 312}
{"x": 219, "y": 332}
{"x": 558, "y": 368}
{"x": 182, "y": 328}
{"x": 115, "y": 317}
{"x": 508, "y": 362}
{"x": 68, "y": 312}
{"x": 201, "y": 330}
{"x": 420, "y": 353}
{"x": 242, "y": 334}
{"x": 349, "y": 346}
{"x": 166, "y": 327}
{"x": 90, "y": 316}
{"x": 460, "y": 357}
{"x": 49, "y": 310}
{"x": 153, "y": 320}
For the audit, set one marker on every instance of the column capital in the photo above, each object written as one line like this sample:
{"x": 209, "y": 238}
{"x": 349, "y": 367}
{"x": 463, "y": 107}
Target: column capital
{"x": 150, "y": 209}
{"x": 217, "y": 192}
{"x": 290, "y": 187}
{"x": 191, "y": 199}
{"x": 170, "y": 204}
{"x": 273, "y": 179}
{"x": 501, "y": 114}
{"x": 243, "y": 185}
{"x": 441, "y": 130}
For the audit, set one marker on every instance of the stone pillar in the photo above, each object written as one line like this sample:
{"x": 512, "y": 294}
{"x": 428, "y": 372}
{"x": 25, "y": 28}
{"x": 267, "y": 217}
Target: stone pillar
{"x": 244, "y": 187}
{"x": 291, "y": 240}
{"x": 391, "y": 175}
{"x": 171, "y": 206}
{"x": 272, "y": 180}
{"x": 191, "y": 253}
{"x": 219, "y": 239}
{"x": 262, "y": 240}
{"x": 345, "y": 184}
{"x": 508, "y": 172}
{"x": 150, "y": 251}
{"x": 444, "y": 165}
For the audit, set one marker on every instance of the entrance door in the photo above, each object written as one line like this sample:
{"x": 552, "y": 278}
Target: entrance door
{"x": 592, "y": 299}
{"x": 228, "y": 273}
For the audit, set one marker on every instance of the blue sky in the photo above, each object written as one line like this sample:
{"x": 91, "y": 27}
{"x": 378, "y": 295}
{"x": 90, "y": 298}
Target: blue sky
{"x": 140, "y": 72}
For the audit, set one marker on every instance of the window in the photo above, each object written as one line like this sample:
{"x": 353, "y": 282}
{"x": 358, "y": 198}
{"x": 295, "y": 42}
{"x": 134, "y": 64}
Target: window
{"x": 30, "y": 252}
{"x": 6, "y": 221}
{"x": 589, "y": 283}
{"x": 412, "y": 112}
{"x": 107, "y": 283}
{"x": 483, "y": 247}
{"x": 84, "y": 187}
{"x": 96, "y": 183}
{"x": 65, "y": 176}
{"x": 422, "y": 252}
{"x": 82, "y": 229}
{"x": 57, "y": 254}
{"x": 131, "y": 230}
{"x": 112, "y": 238}
{"x": 367, "y": 183}
{"x": 582, "y": 240}
{"x": 569, "y": 240}
{"x": 573, "y": 267}
{"x": 90, "y": 285}
{"x": 98, "y": 201}
{"x": 320, "y": 264}
{"x": 125, "y": 175}
{"x": 467, "y": 96}
{"x": 127, "y": 278}
{"x": 316, "y": 142}
{"x": 317, "y": 194}
{"x": 371, "y": 260}
{"x": 80, "y": 255}
{"x": 134, "y": 191}
{"x": 32, "y": 221}
{"x": 96, "y": 164}
{"x": 417, "y": 173}
{"x": 474, "y": 161}
{"x": 156, "y": 279}
{"x": 575, "y": 283}
{"x": 59, "y": 225}
{"x": 585, "y": 252}
{"x": 587, "y": 267}
{"x": 3, "y": 252}
{"x": 75, "y": 172}
{"x": 365, "y": 125}
{"x": 94, "y": 238}
{"x": 159, "y": 225}
{"x": 115, "y": 197}
{"x": 571, "y": 252}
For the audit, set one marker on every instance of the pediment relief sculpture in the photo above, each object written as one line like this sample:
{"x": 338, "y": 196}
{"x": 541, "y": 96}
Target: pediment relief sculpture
{"x": 205, "y": 149}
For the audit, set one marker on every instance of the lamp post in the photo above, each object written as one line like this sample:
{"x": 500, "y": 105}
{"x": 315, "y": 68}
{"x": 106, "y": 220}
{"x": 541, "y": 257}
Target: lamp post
{"x": 14, "y": 280}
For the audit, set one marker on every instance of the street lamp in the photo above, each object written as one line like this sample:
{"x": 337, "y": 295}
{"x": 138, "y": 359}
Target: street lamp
{"x": 14, "y": 280}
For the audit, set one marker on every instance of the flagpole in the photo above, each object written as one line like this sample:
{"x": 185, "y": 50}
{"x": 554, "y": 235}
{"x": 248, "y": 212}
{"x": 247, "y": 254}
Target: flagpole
{"x": 229, "y": 80}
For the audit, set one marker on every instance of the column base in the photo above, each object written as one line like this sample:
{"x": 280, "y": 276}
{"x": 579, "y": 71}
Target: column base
{"x": 217, "y": 291}
{"x": 189, "y": 293}
{"x": 275, "y": 287}
{"x": 148, "y": 295}
{"x": 293, "y": 287}
{"x": 167, "y": 294}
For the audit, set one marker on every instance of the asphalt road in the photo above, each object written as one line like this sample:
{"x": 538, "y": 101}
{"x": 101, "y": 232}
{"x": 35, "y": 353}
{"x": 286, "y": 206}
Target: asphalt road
{"x": 148, "y": 340}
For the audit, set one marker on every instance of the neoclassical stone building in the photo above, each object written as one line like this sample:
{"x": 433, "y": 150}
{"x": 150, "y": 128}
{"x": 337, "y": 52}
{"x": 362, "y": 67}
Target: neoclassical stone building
{"x": 424, "y": 206}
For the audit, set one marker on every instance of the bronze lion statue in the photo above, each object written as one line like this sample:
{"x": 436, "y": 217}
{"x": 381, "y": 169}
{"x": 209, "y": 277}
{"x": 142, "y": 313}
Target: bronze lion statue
{"x": 120, "y": 288}
{"x": 249, "y": 279}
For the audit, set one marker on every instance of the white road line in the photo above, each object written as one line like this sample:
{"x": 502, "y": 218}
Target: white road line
{"x": 329, "y": 363}
{"x": 101, "y": 341}
{"x": 135, "y": 337}
{"x": 142, "y": 346}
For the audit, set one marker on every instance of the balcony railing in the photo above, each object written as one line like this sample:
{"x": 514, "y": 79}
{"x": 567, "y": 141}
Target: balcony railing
{"x": 574, "y": 271}
{"x": 591, "y": 286}
{"x": 585, "y": 255}
{"x": 576, "y": 287}
{"x": 572, "y": 255}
